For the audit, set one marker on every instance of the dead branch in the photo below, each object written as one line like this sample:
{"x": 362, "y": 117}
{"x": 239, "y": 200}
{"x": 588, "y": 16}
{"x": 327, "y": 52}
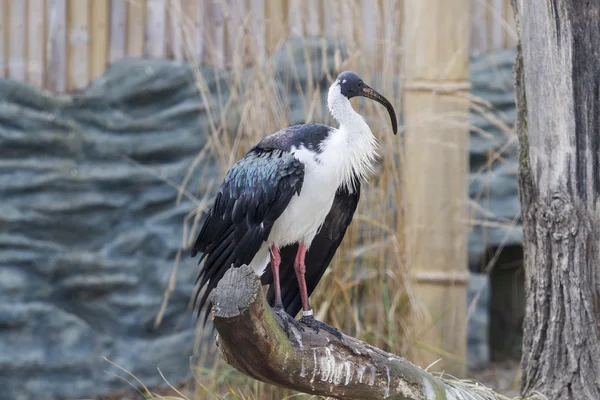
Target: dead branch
{"x": 251, "y": 339}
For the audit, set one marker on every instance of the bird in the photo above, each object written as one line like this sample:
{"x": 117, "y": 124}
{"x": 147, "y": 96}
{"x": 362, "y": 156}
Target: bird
{"x": 284, "y": 207}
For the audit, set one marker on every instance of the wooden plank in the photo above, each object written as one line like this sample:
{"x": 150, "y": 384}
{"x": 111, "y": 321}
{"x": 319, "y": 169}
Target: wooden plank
{"x": 258, "y": 29}
{"x": 276, "y": 23}
{"x": 79, "y": 38}
{"x": 118, "y": 30}
{"x": 56, "y": 51}
{"x": 136, "y": 27}
{"x": 214, "y": 45}
{"x": 3, "y": 36}
{"x": 235, "y": 47}
{"x": 155, "y": 28}
{"x": 295, "y": 18}
{"x": 17, "y": 44}
{"x": 100, "y": 30}
{"x": 36, "y": 12}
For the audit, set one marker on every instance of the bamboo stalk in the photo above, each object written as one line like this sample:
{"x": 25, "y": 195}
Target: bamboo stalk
{"x": 191, "y": 29}
{"x": 214, "y": 45}
{"x": 368, "y": 28}
{"x": 175, "y": 30}
{"x": 479, "y": 28}
{"x": 312, "y": 25}
{"x": 295, "y": 18}
{"x": 235, "y": 33}
{"x": 118, "y": 30}
{"x": 330, "y": 16}
{"x": 17, "y": 43}
{"x": 35, "y": 42}
{"x": 99, "y": 17}
{"x": 436, "y": 37}
{"x": 197, "y": 13}
{"x": 346, "y": 27}
{"x": 56, "y": 51}
{"x": 510, "y": 37}
{"x": 3, "y": 35}
{"x": 392, "y": 38}
{"x": 78, "y": 11}
{"x": 276, "y": 22}
{"x": 155, "y": 36}
{"x": 258, "y": 30}
{"x": 496, "y": 24}
{"x": 136, "y": 27}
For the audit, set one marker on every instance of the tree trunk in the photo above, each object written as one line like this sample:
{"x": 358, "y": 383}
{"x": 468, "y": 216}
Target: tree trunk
{"x": 558, "y": 99}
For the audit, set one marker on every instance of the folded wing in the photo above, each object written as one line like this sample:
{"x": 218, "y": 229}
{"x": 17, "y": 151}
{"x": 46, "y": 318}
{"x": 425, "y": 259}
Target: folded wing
{"x": 254, "y": 193}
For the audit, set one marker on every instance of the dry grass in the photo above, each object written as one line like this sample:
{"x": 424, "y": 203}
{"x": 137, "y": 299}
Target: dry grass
{"x": 365, "y": 292}
{"x": 370, "y": 273}
{"x": 368, "y": 270}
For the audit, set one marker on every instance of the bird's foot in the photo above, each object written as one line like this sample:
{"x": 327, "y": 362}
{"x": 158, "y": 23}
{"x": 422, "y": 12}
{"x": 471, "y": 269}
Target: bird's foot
{"x": 286, "y": 319}
{"x": 311, "y": 322}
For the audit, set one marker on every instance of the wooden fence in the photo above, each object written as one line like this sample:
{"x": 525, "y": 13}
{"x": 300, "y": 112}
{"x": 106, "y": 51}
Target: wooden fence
{"x": 62, "y": 45}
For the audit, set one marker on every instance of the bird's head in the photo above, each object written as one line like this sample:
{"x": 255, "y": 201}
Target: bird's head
{"x": 352, "y": 85}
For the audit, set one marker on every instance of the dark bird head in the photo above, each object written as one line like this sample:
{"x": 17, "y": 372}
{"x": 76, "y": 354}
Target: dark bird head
{"x": 352, "y": 85}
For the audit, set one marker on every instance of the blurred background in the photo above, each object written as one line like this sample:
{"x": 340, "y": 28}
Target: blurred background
{"x": 119, "y": 118}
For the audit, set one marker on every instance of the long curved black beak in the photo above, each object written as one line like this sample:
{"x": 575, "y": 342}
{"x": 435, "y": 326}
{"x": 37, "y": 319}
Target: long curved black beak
{"x": 369, "y": 92}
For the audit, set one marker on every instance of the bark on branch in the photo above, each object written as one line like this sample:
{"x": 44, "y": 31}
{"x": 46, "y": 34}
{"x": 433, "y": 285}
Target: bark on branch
{"x": 251, "y": 340}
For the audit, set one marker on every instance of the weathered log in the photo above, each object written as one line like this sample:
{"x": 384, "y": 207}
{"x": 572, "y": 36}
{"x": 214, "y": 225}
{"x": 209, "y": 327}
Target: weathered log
{"x": 251, "y": 339}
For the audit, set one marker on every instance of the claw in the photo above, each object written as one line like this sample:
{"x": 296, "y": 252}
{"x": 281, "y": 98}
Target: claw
{"x": 311, "y": 322}
{"x": 286, "y": 319}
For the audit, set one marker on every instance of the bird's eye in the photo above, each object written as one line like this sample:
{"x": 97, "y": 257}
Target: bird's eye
{"x": 359, "y": 84}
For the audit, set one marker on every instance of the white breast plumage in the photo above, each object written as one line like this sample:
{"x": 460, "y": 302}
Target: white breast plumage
{"x": 306, "y": 212}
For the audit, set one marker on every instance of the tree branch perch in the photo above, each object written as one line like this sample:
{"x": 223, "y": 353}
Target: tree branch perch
{"x": 251, "y": 340}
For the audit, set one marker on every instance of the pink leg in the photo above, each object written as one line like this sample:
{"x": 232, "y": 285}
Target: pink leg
{"x": 307, "y": 313}
{"x": 275, "y": 262}
{"x": 300, "y": 269}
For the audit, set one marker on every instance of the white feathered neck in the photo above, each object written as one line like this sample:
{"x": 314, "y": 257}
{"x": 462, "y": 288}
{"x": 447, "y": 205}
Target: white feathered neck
{"x": 356, "y": 144}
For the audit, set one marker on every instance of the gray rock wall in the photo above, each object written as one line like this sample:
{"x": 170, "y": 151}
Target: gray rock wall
{"x": 493, "y": 160}
{"x": 88, "y": 237}
{"x": 493, "y": 188}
